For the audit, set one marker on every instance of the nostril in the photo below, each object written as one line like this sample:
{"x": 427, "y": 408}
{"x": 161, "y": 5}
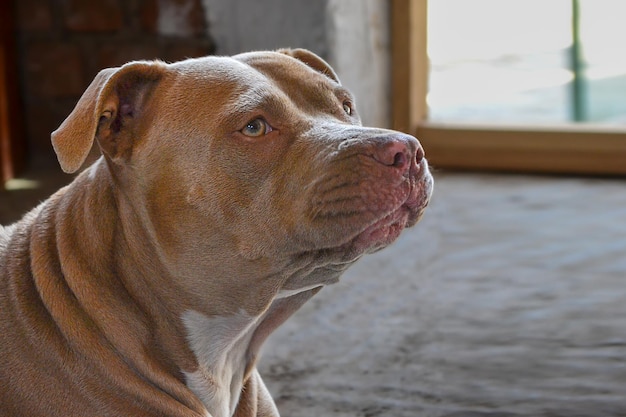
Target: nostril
{"x": 419, "y": 155}
{"x": 393, "y": 154}
{"x": 399, "y": 160}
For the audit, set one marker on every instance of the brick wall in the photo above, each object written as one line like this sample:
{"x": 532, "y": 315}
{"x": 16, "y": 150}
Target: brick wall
{"x": 62, "y": 44}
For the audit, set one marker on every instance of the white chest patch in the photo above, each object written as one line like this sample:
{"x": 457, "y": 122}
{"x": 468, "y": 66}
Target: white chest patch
{"x": 220, "y": 345}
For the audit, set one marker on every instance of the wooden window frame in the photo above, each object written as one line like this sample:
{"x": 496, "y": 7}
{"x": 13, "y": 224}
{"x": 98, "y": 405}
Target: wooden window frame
{"x": 564, "y": 149}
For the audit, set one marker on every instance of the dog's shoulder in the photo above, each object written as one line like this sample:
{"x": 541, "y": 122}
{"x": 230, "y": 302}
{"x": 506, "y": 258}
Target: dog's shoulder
{"x": 4, "y": 236}
{"x": 9, "y": 231}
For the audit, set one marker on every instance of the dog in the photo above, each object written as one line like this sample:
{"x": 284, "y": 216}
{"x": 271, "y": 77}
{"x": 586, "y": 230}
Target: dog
{"x": 229, "y": 191}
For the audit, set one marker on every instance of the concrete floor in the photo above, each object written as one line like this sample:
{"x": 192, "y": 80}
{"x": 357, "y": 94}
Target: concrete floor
{"x": 508, "y": 299}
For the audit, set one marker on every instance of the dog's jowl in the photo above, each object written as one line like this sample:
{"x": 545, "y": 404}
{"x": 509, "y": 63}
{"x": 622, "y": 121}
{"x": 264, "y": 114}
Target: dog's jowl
{"x": 229, "y": 192}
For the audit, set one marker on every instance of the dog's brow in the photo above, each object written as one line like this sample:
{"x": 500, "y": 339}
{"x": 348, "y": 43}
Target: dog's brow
{"x": 342, "y": 93}
{"x": 253, "y": 101}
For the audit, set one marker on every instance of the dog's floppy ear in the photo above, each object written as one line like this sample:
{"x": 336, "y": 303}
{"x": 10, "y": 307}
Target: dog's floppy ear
{"x": 105, "y": 111}
{"x": 312, "y": 61}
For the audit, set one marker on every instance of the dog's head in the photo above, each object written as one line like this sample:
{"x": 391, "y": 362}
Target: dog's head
{"x": 262, "y": 155}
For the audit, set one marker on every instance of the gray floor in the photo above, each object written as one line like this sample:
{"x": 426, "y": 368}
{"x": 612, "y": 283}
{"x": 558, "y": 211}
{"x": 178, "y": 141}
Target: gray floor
{"x": 509, "y": 299}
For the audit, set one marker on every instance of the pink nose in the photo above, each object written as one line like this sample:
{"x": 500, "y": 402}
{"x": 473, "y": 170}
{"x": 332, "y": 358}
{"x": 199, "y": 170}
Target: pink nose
{"x": 400, "y": 152}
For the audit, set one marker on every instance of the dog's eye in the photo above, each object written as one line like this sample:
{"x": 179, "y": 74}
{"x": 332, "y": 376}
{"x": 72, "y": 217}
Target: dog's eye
{"x": 347, "y": 107}
{"x": 256, "y": 128}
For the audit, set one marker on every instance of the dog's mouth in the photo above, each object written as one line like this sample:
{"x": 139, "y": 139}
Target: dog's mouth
{"x": 381, "y": 233}
{"x": 387, "y": 227}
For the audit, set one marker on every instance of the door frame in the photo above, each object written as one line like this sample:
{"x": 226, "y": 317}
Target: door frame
{"x": 12, "y": 140}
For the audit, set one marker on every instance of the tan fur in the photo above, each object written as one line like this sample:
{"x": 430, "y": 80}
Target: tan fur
{"x": 186, "y": 216}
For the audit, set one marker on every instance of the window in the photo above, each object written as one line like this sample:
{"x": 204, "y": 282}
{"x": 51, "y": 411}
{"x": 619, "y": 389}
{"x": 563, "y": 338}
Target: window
{"x": 496, "y": 84}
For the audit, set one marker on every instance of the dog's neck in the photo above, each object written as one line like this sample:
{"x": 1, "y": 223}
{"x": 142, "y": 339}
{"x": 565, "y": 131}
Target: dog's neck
{"x": 211, "y": 348}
